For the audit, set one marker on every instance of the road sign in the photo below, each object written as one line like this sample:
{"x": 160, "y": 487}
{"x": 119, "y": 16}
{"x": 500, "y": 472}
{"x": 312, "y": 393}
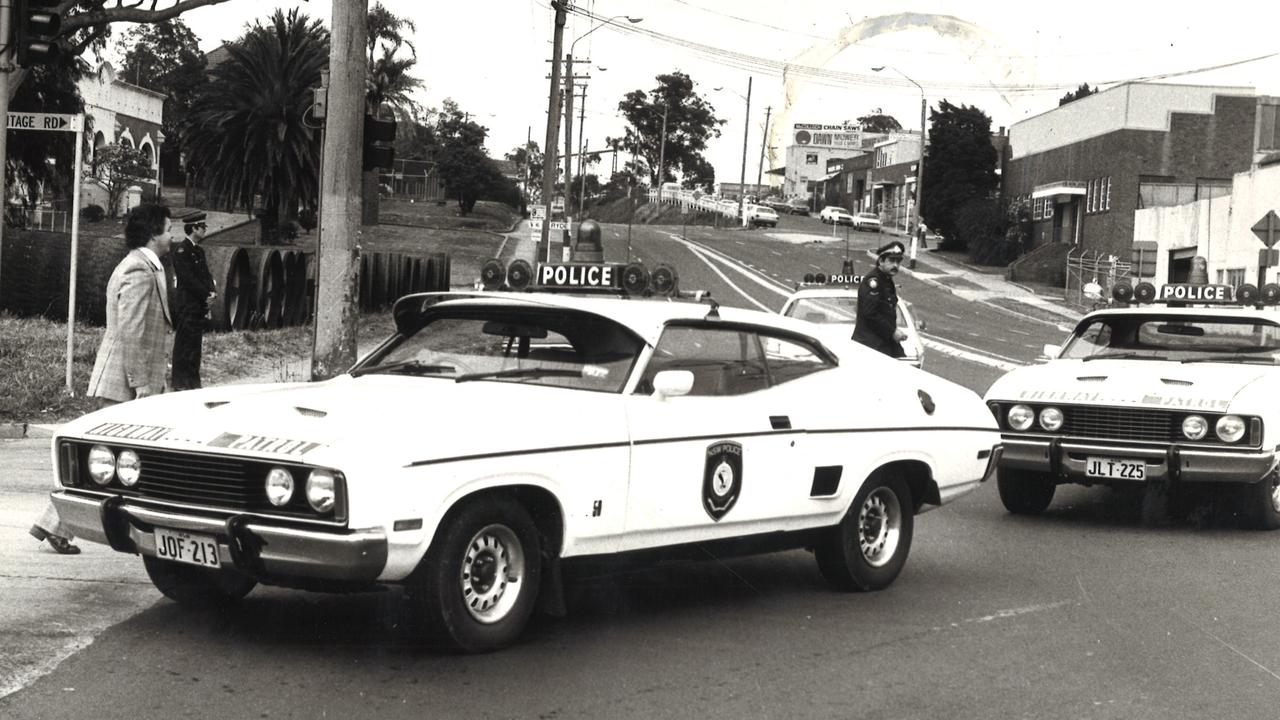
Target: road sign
{"x": 559, "y": 225}
{"x": 1268, "y": 228}
{"x": 538, "y": 212}
{"x": 46, "y": 121}
{"x": 535, "y": 224}
{"x": 1268, "y": 258}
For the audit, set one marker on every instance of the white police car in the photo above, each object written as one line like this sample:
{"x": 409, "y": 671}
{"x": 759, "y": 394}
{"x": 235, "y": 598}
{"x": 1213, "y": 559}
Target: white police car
{"x": 831, "y": 301}
{"x": 498, "y": 435}
{"x": 1157, "y": 396}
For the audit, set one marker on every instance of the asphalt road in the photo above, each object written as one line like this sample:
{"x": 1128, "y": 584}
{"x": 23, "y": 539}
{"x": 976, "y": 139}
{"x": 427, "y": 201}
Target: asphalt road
{"x": 1082, "y": 613}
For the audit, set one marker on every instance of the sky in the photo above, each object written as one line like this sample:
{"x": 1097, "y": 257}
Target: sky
{"x": 1013, "y": 60}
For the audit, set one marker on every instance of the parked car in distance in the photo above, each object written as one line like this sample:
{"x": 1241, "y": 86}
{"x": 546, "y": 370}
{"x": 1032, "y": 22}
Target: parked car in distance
{"x": 761, "y": 216}
{"x": 866, "y": 221}
{"x": 798, "y": 206}
{"x": 835, "y": 215}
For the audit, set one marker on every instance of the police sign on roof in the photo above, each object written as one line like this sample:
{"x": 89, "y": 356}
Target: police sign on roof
{"x": 45, "y": 121}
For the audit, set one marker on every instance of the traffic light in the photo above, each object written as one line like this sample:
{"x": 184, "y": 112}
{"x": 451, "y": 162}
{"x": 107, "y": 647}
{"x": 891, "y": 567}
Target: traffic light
{"x": 378, "y": 137}
{"x": 35, "y": 33}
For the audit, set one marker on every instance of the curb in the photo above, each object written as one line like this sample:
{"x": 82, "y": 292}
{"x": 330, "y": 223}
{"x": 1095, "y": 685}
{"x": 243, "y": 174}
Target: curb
{"x": 18, "y": 431}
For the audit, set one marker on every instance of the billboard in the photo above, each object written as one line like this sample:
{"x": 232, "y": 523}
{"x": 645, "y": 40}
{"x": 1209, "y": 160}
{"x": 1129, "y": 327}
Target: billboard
{"x": 832, "y": 136}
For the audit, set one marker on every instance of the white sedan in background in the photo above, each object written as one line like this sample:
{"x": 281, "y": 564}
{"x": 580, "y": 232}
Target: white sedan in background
{"x": 835, "y": 215}
{"x": 866, "y": 221}
{"x": 834, "y": 307}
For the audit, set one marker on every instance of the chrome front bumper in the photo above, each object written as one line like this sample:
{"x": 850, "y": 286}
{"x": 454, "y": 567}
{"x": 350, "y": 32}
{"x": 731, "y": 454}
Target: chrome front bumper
{"x": 1066, "y": 458}
{"x": 248, "y": 543}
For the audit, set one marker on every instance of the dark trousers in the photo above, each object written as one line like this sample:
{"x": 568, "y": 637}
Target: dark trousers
{"x": 188, "y": 340}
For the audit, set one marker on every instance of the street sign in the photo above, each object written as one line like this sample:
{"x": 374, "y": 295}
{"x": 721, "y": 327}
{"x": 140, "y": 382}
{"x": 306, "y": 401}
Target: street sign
{"x": 538, "y": 212}
{"x": 1268, "y": 258}
{"x": 535, "y": 224}
{"x": 46, "y": 121}
{"x": 557, "y": 204}
{"x": 559, "y": 225}
{"x": 1268, "y": 228}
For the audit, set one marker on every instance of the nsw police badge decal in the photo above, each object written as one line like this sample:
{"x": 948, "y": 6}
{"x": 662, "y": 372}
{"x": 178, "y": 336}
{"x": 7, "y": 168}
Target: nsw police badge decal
{"x": 722, "y": 478}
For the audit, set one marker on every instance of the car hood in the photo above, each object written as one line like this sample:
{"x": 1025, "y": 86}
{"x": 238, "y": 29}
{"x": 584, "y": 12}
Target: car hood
{"x": 377, "y": 419}
{"x": 1208, "y": 387}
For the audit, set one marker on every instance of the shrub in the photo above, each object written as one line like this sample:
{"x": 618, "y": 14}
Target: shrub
{"x": 980, "y": 228}
{"x": 307, "y": 219}
{"x": 92, "y": 213}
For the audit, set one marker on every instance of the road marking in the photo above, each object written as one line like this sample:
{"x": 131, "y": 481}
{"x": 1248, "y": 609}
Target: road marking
{"x": 973, "y": 354}
{"x": 815, "y": 267}
{"x": 729, "y": 282}
{"x": 1020, "y": 332}
{"x": 953, "y": 315}
{"x": 734, "y": 265}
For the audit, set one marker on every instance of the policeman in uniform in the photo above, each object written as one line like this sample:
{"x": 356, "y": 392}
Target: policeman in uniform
{"x": 194, "y": 289}
{"x": 877, "y": 323}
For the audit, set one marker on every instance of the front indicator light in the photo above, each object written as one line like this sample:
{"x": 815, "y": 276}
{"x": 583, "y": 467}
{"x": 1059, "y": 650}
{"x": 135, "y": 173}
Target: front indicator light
{"x": 1230, "y": 428}
{"x": 1195, "y": 427}
{"x": 279, "y": 486}
{"x": 1021, "y": 417}
{"x": 321, "y": 490}
{"x": 102, "y": 464}
{"x": 128, "y": 468}
{"x": 1051, "y": 419}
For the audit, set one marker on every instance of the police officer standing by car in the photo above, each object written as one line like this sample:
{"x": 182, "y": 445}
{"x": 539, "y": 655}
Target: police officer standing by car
{"x": 877, "y": 322}
{"x": 194, "y": 289}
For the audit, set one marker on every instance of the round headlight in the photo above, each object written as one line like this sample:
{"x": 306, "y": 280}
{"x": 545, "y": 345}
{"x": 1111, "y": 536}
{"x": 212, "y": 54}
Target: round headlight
{"x": 1051, "y": 419}
{"x": 321, "y": 490}
{"x": 1021, "y": 417}
{"x": 1195, "y": 427}
{"x": 128, "y": 468}
{"x": 1230, "y": 428}
{"x": 279, "y": 486}
{"x": 102, "y": 464}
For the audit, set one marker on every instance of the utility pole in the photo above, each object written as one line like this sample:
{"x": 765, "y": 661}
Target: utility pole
{"x": 662, "y": 150}
{"x": 763, "y": 141}
{"x": 582, "y": 137}
{"x": 6, "y": 67}
{"x": 553, "y": 120}
{"x": 742, "y": 178}
{"x": 582, "y": 180}
{"x": 568, "y": 130}
{"x": 334, "y": 348}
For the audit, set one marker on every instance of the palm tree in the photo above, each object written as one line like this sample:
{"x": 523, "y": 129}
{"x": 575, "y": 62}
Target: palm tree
{"x": 389, "y": 85}
{"x": 246, "y": 133}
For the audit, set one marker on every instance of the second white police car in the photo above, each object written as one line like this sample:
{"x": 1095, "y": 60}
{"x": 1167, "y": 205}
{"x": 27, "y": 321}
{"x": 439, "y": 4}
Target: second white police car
{"x": 831, "y": 301}
{"x": 1158, "y": 397}
{"x": 499, "y": 435}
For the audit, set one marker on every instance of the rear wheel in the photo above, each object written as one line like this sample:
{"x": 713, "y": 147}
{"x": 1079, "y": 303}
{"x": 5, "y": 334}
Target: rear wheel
{"x": 192, "y": 585}
{"x": 869, "y": 547}
{"x": 1023, "y": 492}
{"x": 479, "y": 582}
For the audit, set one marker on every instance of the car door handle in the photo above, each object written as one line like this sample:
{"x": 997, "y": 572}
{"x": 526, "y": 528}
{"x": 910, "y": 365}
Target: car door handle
{"x": 780, "y": 422}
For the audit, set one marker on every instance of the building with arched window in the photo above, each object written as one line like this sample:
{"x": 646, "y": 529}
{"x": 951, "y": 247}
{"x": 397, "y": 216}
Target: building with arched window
{"x": 120, "y": 112}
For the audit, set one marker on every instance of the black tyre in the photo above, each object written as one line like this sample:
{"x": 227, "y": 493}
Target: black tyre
{"x": 1023, "y": 492}
{"x": 1263, "y": 502}
{"x": 869, "y": 547}
{"x": 193, "y": 585}
{"x": 479, "y": 582}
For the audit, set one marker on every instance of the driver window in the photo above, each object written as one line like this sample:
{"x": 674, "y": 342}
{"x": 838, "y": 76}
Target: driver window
{"x": 724, "y": 361}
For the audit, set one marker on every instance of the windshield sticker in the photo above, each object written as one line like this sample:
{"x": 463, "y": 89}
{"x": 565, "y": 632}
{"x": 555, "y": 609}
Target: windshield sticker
{"x": 258, "y": 443}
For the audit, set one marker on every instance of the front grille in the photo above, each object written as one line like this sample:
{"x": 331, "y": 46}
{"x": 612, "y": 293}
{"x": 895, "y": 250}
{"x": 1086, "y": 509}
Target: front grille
{"x": 213, "y": 481}
{"x": 1120, "y": 423}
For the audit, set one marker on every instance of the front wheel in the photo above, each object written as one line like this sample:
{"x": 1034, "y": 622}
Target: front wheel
{"x": 1263, "y": 499}
{"x": 869, "y": 547}
{"x": 1025, "y": 493}
{"x": 192, "y": 585}
{"x": 479, "y": 582}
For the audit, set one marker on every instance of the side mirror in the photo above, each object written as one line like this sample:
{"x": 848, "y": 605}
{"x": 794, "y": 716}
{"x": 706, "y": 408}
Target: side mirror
{"x": 920, "y": 325}
{"x": 1051, "y": 351}
{"x": 672, "y": 383}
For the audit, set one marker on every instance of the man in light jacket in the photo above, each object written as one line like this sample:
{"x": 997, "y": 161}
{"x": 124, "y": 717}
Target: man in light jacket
{"x": 133, "y": 357}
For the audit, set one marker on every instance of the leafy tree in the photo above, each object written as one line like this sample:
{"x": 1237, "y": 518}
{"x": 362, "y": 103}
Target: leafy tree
{"x": 877, "y": 122}
{"x": 690, "y": 121}
{"x": 165, "y": 57}
{"x": 117, "y": 167}
{"x": 247, "y": 133}
{"x": 388, "y": 87}
{"x": 699, "y": 174}
{"x": 961, "y": 166}
{"x": 467, "y": 171}
{"x": 44, "y": 159}
{"x": 529, "y": 157}
{"x": 1081, "y": 92}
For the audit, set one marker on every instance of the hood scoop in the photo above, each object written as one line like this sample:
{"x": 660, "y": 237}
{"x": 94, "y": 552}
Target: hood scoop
{"x": 1183, "y": 383}
{"x": 310, "y": 412}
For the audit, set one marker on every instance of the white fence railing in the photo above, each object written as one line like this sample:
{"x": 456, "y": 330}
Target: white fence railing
{"x": 694, "y": 200}
{"x": 1091, "y": 275}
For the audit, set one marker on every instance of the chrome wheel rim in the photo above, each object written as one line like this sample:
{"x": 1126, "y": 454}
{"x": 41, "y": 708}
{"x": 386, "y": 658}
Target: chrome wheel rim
{"x": 493, "y": 567}
{"x": 879, "y": 526}
{"x": 1274, "y": 482}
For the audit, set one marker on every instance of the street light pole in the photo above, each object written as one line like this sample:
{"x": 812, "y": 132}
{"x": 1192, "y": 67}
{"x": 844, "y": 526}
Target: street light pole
{"x": 915, "y": 209}
{"x": 742, "y": 177}
{"x": 553, "y": 121}
{"x": 763, "y": 141}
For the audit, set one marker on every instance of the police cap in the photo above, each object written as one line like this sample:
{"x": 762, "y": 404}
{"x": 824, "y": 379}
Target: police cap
{"x": 891, "y": 248}
{"x": 190, "y": 216}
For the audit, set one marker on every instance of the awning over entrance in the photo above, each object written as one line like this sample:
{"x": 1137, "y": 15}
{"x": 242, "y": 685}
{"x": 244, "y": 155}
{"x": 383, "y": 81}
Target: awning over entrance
{"x": 1061, "y": 187}
{"x": 882, "y": 183}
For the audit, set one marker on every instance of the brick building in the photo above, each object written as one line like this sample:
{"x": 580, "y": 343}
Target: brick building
{"x": 120, "y": 112}
{"x": 1083, "y": 168}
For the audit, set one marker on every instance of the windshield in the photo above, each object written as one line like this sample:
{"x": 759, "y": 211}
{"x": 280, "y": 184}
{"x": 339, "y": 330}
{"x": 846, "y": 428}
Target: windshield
{"x": 1177, "y": 338}
{"x": 561, "y": 348}
{"x": 835, "y": 309}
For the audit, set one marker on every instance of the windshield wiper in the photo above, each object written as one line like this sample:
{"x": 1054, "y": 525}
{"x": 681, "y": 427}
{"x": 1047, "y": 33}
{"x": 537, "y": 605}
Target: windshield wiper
{"x": 1252, "y": 359}
{"x": 520, "y": 372}
{"x": 408, "y": 367}
{"x": 1120, "y": 356}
